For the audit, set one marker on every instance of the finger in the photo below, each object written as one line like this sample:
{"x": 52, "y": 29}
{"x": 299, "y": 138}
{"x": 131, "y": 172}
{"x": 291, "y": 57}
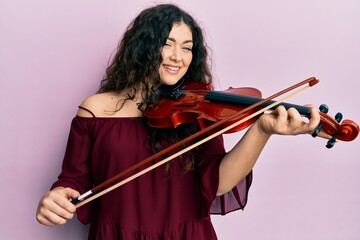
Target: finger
{"x": 293, "y": 113}
{"x": 323, "y": 134}
{"x": 64, "y": 208}
{"x": 57, "y": 205}
{"x": 43, "y": 220}
{"x": 314, "y": 120}
{"x": 46, "y": 216}
{"x": 295, "y": 119}
{"x": 309, "y": 105}
{"x": 50, "y": 219}
{"x": 69, "y": 194}
{"x": 282, "y": 114}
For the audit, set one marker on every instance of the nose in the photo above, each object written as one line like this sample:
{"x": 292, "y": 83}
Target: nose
{"x": 176, "y": 54}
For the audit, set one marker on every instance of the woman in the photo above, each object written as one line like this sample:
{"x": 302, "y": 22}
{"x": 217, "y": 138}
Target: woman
{"x": 162, "y": 47}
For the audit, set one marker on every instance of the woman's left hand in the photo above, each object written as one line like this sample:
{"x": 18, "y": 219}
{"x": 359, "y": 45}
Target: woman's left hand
{"x": 288, "y": 122}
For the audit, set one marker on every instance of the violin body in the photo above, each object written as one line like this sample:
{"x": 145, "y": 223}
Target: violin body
{"x": 191, "y": 107}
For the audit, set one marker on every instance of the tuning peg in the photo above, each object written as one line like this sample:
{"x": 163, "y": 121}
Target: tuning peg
{"x": 331, "y": 142}
{"x": 324, "y": 108}
{"x": 317, "y": 130}
{"x": 338, "y": 117}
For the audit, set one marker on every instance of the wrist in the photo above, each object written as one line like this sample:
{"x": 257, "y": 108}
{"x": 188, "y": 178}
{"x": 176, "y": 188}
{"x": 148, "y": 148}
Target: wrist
{"x": 260, "y": 130}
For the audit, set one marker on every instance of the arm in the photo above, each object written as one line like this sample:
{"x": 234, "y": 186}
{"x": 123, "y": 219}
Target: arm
{"x": 54, "y": 207}
{"x": 238, "y": 162}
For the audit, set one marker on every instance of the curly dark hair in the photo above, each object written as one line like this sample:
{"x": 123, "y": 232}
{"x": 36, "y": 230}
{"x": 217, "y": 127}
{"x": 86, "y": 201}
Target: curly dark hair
{"x": 138, "y": 58}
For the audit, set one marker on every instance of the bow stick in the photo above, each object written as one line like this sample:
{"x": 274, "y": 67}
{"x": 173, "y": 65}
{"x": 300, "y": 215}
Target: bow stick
{"x": 104, "y": 187}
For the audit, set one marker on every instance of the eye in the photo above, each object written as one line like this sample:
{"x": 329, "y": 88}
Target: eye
{"x": 187, "y": 48}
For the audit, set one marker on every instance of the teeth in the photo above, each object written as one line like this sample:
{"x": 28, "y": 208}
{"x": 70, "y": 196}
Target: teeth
{"x": 172, "y": 68}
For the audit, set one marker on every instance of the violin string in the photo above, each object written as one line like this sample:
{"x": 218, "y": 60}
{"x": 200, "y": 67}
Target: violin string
{"x": 140, "y": 173}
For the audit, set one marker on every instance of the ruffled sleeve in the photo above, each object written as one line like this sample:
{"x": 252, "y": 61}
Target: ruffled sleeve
{"x": 234, "y": 200}
{"x": 213, "y": 152}
{"x": 76, "y": 173}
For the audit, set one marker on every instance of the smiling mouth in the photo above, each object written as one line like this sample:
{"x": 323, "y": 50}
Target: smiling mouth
{"x": 171, "y": 68}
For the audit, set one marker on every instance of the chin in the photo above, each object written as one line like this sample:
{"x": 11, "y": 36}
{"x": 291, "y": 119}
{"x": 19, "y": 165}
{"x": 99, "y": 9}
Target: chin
{"x": 170, "y": 81}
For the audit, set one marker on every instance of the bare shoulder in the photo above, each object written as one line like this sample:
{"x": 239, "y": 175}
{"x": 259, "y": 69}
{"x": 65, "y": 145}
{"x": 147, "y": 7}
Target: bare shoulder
{"x": 101, "y": 104}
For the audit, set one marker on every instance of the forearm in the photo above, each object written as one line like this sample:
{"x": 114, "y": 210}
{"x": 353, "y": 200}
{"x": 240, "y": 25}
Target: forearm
{"x": 241, "y": 159}
{"x": 238, "y": 162}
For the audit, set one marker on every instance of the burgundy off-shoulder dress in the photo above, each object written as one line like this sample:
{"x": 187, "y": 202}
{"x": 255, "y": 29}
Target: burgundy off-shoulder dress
{"x": 157, "y": 205}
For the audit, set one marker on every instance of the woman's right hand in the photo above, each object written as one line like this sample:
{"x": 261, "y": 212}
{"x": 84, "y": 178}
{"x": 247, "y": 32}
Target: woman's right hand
{"x": 55, "y": 208}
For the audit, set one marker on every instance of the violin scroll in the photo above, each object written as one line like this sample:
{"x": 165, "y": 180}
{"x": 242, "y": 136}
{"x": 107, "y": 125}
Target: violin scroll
{"x": 345, "y": 131}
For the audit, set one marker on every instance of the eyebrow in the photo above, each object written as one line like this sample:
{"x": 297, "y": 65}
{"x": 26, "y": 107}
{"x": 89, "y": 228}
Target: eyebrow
{"x": 174, "y": 40}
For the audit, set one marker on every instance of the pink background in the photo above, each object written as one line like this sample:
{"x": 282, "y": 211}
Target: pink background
{"x": 53, "y": 54}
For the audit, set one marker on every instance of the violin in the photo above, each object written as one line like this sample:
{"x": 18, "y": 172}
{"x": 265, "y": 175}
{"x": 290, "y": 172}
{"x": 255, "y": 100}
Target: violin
{"x": 224, "y": 111}
{"x": 195, "y": 102}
